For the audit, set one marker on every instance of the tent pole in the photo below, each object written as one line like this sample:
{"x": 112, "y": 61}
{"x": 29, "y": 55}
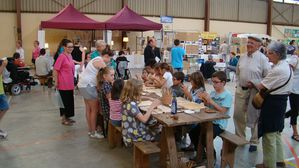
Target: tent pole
{"x": 19, "y": 25}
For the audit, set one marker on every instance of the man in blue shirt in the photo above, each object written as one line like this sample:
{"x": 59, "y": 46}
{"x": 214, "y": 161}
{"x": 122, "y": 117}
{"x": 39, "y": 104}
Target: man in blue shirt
{"x": 177, "y": 55}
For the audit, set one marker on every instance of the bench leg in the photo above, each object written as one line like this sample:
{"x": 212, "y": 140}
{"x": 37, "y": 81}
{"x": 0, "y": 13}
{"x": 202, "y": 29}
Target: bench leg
{"x": 118, "y": 138}
{"x": 140, "y": 160}
{"x": 111, "y": 135}
{"x": 228, "y": 154}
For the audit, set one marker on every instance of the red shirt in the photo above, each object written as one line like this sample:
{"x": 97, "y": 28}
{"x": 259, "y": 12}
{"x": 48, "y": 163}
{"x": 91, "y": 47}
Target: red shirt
{"x": 35, "y": 52}
{"x": 19, "y": 63}
{"x": 65, "y": 68}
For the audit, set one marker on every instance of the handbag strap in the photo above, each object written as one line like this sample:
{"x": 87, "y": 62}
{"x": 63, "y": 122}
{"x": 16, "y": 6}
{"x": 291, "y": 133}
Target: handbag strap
{"x": 272, "y": 90}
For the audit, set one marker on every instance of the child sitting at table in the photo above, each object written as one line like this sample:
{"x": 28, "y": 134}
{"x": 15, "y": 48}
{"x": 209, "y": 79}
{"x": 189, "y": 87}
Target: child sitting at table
{"x": 166, "y": 73}
{"x": 115, "y": 103}
{"x": 134, "y": 127}
{"x": 220, "y": 100}
{"x": 105, "y": 79}
{"x": 156, "y": 76}
{"x": 197, "y": 86}
{"x": 147, "y": 73}
{"x": 178, "y": 80}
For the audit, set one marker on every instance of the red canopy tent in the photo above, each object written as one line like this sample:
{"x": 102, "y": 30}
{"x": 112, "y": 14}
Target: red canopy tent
{"x": 71, "y": 18}
{"x": 128, "y": 20}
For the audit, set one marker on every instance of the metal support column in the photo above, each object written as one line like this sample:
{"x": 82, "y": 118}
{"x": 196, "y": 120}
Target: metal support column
{"x": 207, "y": 16}
{"x": 269, "y": 17}
{"x": 19, "y": 26}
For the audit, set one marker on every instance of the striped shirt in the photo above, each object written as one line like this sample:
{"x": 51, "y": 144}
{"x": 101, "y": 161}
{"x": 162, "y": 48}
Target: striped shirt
{"x": 115, "y": 109}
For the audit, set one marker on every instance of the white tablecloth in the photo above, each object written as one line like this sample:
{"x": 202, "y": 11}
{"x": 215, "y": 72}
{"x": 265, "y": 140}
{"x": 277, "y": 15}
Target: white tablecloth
{"x": 220, "y": 66}
{"x": 136, "y": 61}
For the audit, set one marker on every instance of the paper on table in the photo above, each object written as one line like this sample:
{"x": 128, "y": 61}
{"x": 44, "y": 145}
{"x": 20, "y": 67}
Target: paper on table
{"x": 164, "y": 108}
{"x": 145, "y": 103}
{"x": 192, "y": 105}
{"x": 189, "y": 111}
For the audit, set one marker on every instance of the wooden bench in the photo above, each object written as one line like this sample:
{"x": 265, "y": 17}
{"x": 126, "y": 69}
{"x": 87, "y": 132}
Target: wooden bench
{"x": 114, "y": 135}
{"x": 141, "y": 153}
{"x": 230, "y": 143}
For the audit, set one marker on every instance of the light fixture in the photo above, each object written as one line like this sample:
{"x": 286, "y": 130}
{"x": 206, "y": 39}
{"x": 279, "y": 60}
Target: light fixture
{"x": 112, "y": 43}
{"x": 126, "y": 39}
{"x": 46, "y": 45}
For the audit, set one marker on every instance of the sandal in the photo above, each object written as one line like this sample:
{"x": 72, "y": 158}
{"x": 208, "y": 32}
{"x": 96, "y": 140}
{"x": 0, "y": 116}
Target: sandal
{"x": 66, "y": 123}
{"x": 295, "y": 137}
{"x": 71, "y": 120}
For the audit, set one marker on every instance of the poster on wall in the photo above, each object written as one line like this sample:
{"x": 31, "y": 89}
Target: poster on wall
{"x": 291, "y": 33}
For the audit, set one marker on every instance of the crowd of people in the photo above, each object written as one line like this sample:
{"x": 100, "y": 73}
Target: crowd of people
{"x": 109, "y": 98}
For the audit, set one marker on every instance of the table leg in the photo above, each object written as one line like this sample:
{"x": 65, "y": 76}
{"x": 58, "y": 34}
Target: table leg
{"x": 209, "y": 143}
{"x": 168, "y": 146}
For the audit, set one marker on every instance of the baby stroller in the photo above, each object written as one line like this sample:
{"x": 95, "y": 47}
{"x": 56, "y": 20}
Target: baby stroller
{"x": 122, "y": 70}
{"x": 15, "y": 79}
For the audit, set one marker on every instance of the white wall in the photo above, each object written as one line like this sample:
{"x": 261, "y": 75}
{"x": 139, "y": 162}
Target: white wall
{"x": 223, "y": 27}
{"x": 8, "y": 34}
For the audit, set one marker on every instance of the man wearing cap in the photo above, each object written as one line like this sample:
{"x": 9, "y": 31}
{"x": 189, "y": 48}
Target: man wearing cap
{"x": 251, "y": 69}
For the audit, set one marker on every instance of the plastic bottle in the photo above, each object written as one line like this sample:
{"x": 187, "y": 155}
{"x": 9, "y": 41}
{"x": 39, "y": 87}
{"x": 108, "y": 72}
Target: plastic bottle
{"x": 174, "y": 106}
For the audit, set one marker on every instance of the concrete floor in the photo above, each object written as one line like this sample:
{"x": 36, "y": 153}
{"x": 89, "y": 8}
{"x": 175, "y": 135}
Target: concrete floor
{"x": 38, "y": 140}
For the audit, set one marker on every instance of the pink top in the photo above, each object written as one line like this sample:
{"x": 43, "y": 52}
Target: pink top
{"x": 35, "y": 52}
{"x": 115, "y": 109}
{"x": 65, "y": 68}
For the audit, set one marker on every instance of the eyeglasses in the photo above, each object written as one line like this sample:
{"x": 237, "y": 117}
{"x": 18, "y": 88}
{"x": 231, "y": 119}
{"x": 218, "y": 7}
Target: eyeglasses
{"x": 70, "y": 47}
{"x": 216, "y": 82}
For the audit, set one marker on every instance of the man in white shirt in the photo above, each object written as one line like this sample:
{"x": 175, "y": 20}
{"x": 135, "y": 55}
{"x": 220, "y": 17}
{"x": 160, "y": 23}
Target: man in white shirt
{"x": 251, "y": 68}
{"x": 20, "y": 50}
{"x": 43, "y": 64}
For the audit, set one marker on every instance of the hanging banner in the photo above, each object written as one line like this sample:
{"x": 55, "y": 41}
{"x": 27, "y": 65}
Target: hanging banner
{"x": 208, "y": 35}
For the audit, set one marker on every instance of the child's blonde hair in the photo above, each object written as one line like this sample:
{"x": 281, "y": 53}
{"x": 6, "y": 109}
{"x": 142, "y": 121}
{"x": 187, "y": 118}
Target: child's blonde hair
{"x": 100, "y": 77}
{"x": 131, "y": 91}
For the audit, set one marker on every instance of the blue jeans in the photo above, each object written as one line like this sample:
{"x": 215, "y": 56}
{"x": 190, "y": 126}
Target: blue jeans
{"x": 3, "y": 103}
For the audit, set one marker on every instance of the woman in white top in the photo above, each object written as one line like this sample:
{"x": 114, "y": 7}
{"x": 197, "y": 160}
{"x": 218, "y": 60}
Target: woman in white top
{"x": 88, "y": 89}
{"x": 271, "y": 121}
{"x": 294, "y": 96}
{"x": 20, "y": 50}
{"x": 166, "y": 72}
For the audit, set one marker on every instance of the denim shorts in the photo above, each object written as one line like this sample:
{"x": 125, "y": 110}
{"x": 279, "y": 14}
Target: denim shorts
{"x": 89, "y": 92}
{"x": 3, "y": 103}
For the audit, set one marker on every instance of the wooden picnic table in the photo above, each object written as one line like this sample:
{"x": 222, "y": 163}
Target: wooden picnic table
{"x": 169, "y": 122}
{"x": 168, "y": 145}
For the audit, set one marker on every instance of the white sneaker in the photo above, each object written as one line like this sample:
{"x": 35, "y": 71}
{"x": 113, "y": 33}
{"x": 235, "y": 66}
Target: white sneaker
{"x": 3, "y": 134}
{"x": 96, "y": 135}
